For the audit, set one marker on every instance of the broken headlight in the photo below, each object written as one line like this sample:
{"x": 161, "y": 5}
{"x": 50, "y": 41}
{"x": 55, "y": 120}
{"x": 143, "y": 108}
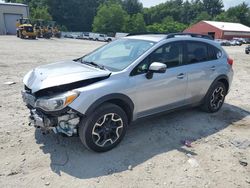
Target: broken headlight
{"x": 57, "y": 102}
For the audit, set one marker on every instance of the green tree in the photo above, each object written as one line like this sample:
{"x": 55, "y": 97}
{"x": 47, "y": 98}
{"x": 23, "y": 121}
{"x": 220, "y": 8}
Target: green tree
{"x": 202, "y": 16}
{"x": 135, "y": 24}
{"x": 241, "y": 12}
{"x": 223, "y": 17}
{"x": 76, "y": 15}
{"x": 168, "y": 25}
{"x": 213, "y": 7}
{"x": 157, "y": 13}
{"x": 40, "y": 13}
{"x": 132, "y": 6}
{"x": 110, "y": 18}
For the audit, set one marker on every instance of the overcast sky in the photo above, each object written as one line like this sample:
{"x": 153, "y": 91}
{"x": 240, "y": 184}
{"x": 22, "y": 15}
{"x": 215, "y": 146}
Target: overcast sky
{"x": 227, "y": 3}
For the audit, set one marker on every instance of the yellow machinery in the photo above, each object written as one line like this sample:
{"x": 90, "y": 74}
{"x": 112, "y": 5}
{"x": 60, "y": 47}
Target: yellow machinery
{"x": 55, "y": 30}
{"x": 46, "y": 29}
{"x": 25, "y": 29}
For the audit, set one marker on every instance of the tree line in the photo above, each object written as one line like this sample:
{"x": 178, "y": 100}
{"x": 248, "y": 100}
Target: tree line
{"x": 110, "y": 16}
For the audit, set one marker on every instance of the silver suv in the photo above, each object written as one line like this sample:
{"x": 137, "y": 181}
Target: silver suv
{"x": 98, "y": 95}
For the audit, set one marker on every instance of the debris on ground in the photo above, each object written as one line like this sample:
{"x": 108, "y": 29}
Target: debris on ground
{"x": 130, "y": 167}
{"x": 9, "y": 83}
{"x": 189, "y": 155}
{"x": 243, "y": 162}
{"x": 12, "y": 173}
{"x": 241, "y": 144}
{"x": 187, "y": 143}
{"x": 193, "y": 162}
{"x": 47, "y": 183}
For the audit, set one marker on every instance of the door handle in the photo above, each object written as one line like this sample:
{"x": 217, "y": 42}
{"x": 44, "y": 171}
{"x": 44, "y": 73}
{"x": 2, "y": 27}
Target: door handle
{"x": 180, "y": 76}
{"x": 212, "y": 68}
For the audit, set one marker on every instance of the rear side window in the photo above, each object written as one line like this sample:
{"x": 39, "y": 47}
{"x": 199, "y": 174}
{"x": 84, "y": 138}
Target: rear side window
{"x": 196, "y": 52}
{"x": 213, "y": 53}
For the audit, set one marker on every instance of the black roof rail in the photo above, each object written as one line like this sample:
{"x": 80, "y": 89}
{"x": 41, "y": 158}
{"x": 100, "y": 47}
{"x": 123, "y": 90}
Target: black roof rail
{"x": 146, "y": 33}
{"x": 172, "y": 35}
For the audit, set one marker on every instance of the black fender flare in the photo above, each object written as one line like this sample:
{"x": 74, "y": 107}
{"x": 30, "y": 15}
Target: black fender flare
{"x": 114, "y": 96}
{"x": 224, "y": 77}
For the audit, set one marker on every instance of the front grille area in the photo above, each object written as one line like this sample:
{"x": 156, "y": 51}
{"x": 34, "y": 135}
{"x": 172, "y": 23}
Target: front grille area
{"x": 28, "y": 29}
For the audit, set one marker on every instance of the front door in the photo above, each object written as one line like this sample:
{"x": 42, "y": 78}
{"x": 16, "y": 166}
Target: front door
{"x": 164, "y": 90}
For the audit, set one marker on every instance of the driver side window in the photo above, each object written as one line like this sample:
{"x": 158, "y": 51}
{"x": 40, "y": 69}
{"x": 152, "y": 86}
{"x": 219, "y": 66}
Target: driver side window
{"x": 170, "y": 54}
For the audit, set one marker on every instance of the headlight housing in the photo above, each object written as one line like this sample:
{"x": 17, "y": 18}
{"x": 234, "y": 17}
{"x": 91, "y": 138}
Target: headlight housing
{"x": 57, "y": 102}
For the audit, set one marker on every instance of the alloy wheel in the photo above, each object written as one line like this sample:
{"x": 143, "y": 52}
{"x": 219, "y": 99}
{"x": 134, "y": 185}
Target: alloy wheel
{"x": 107, "y": 130}
{"x": 217, "y": 98}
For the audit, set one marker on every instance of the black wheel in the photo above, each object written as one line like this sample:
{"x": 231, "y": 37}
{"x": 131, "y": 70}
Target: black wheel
{"x": 21, "y": 35}
{"x": 104, "y": 129}
{"x": 17, "y": 34}
{"x": 214, "y": 98}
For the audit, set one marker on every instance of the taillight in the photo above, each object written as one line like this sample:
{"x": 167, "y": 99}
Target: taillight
{"x": 230, "y": 61}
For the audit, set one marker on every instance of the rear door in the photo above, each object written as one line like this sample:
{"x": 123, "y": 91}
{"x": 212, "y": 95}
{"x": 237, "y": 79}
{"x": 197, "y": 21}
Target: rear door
{"x": 202, "y": 61}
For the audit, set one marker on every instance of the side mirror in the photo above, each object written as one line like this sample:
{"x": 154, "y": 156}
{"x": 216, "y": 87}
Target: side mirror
{"x": 156, "y": 67}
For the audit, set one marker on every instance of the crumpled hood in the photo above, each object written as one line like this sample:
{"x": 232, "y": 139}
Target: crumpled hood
{"x": 61, "y": 73}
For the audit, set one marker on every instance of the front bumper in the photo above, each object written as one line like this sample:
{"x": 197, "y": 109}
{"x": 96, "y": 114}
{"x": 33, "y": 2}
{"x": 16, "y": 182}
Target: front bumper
{"x": 65, "y": 121}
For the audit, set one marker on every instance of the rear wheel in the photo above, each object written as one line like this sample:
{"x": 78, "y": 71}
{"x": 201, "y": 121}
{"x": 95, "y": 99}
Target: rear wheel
{"x": 104, "y": 129}
{"x": 214, "y": 98}
{"x": 21, "y": 35}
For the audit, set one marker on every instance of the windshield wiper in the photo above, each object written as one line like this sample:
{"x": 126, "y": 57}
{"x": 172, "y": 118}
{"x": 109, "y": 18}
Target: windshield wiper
{"x": 93, "y": 64}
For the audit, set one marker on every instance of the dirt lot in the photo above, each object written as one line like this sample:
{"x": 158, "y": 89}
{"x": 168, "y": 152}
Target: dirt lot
{"x": 152, "y": 153}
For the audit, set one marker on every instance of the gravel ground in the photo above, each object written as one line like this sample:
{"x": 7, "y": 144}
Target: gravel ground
{"x": 152, "y": 153}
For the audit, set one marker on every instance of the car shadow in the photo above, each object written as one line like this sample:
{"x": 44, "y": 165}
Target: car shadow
{"x": 145, "y": 139}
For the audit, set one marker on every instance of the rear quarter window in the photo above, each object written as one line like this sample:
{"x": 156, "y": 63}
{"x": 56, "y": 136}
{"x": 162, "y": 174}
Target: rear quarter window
{"x": 213, "y": 53}
{"x": 197, "y": 52}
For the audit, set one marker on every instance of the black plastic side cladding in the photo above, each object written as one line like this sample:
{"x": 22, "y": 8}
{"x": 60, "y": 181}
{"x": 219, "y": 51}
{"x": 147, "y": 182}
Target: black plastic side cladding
{"x": 116, "y": 98}
{"x": 68, "y": 87}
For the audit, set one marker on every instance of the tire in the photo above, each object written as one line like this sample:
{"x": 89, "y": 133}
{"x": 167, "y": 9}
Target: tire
{"x": 21, "y": 35}
{"x": 214, "y": 98}
{"x": 99, "y": 136}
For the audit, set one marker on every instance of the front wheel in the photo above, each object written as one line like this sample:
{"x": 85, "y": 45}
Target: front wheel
{"x": 214, "y": 98}
{"x": 104, "y": 129}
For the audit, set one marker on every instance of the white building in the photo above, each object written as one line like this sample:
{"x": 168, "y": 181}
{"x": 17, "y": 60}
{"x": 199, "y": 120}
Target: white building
{"x": 9, "y": 14}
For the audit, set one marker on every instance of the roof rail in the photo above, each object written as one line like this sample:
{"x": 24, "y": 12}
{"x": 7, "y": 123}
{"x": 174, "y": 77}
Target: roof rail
{"x": 145, "y": 33}
{"x": 172, "y": 35}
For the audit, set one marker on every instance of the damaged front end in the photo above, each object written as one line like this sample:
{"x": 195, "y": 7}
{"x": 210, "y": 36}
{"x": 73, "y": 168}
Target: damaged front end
{"x": 65, "y": 123}
{"x": 50, "y": 89}
{"x": 62, "y": 120}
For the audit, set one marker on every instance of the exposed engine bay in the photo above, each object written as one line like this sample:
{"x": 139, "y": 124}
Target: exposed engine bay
{"x": 65, "y": 123}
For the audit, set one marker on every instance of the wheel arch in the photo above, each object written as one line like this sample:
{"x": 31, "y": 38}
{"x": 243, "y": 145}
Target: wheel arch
{"x": 121, "y": 100}
{"x": 222, "y": 78}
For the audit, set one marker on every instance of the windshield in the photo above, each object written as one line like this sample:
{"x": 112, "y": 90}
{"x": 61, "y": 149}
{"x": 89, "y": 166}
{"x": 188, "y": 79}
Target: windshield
{"x": 119, "y": 54}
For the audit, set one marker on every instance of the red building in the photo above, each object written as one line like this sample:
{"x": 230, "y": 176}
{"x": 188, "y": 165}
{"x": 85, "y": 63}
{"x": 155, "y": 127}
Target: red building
{"x": 220, "y": 30}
